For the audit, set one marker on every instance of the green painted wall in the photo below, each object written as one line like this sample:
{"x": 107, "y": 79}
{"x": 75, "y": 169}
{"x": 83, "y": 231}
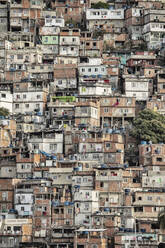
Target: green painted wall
{"x": 50, "y": 40}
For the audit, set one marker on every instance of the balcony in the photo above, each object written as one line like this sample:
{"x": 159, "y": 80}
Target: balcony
{"x": 63, "y": 233}
{"x": 109, "y": 178}
{"x": 17, "y": 4}
{"x": 23, "y": 190}
{"x": 10, "y": 233}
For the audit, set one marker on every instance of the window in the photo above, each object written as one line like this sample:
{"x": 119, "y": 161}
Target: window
{"x": 26, "y": 105}
{"x": 3, "y": 95}
{"x": 129, "y": 101}
{"x": 35, "y": 146}
{"x": 149, "y": 198}
{"x": 11, "y": 240}
{"x": 16, "y": 106}
{"x": 53, "y": 147}
{"x": 58, "y": 21}
{"x": 54, "y": 38}
{"x": 86, "y": 207}
{"x": 19, "y": 67}
{"x": 69, "y": 211}
{"x": 19, "y": 56}
{"x": 158, "y": 159}
{"x": 22, "y": 208}
{"x": 18, "y": 96}
{"x": 22, "y": 166}
{"x": 101, "y": 184}
{"x": 119, "y": 13}
{"x": 24, "y": 96}
{"x": 108, "y": 145}
{"x": 79, "y": 180}
{"x": 34, "y": 3}
{"x": 86, "y": 165}
{"x": 138, "y": 209}
{"x": 37, "y": 106}
{"x": 106, "y": 110}
{"x": 89, "y": 69}
{"x": 154, "y": 209}
{"x": 25, "y": 11}
{"x": 114, "y": 69}
{"x": 38, "y": 96}
{"x": 84, "y": 110}
{"x": 139, "y": 198}
{"x": 4, "y": 196}
{"x": 96, "y": 69}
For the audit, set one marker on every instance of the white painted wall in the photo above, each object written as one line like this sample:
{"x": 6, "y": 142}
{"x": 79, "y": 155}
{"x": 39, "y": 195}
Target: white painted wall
{"x": 66, "y": 83}
{"x": 70, "y": 40}
{"x": 28, "y": 101}
{"x": 6, "y": 100}
{"x": 69, "y": 50}
{"x": 99, "y": 14}
{"x": 96, "y": 91}
{"x": 54, "y": 21}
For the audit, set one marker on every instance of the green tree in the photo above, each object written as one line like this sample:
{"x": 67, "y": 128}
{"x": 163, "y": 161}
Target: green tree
{"x": 4, "y": 111}
{"x": 149, "y": 126}
{"x": 100, "y": 5}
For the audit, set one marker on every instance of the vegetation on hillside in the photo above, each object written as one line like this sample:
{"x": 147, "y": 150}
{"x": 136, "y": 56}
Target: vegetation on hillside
{"x": 149, "y": 126}
{"x": 100, "y": 5}
{"x": 4, "y": 111}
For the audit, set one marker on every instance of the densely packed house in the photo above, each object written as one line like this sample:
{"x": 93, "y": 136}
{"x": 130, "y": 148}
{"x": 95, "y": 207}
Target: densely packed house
{"x": 74, "y": 74}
